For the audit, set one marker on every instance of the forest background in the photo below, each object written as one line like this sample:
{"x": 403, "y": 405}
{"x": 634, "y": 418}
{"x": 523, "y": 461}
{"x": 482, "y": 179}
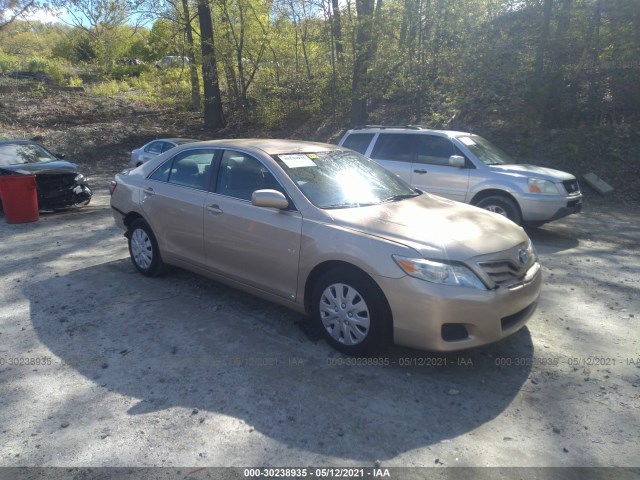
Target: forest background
{"x": 552, "y": 81}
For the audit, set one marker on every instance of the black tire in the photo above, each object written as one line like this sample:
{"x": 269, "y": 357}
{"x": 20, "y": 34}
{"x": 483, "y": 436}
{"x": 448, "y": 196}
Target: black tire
{"x": 143, "y": 249}
{"x": 358, "y": 333}
{"x": 502, "y": 205}
{"x": 532, "y": 225}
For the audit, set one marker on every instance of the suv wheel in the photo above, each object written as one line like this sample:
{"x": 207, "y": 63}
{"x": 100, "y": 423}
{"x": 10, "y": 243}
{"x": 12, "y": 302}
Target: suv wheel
{"x": 503, "y": 206}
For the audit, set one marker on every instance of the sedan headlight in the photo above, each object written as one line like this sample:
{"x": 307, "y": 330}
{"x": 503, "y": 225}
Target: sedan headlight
{"x": 545, "y": 187}
{"x": 438, "y": 272}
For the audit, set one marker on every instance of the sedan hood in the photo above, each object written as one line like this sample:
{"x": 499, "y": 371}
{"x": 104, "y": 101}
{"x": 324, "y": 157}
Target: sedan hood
{"x": 436, "y": 227}
{"x": 534, "y": 171}
{"x": 56, "y": 167}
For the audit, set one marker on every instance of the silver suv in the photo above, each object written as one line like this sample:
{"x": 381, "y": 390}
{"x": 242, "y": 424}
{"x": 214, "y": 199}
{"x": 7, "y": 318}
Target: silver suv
{"x": 468, "y": 168}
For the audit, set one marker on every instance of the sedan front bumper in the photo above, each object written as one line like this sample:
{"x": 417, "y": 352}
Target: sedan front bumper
{"x": 446, "y": 318}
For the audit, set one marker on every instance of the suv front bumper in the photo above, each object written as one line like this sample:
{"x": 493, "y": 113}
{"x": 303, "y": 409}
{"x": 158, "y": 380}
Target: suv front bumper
{"x": 545, "y": 208}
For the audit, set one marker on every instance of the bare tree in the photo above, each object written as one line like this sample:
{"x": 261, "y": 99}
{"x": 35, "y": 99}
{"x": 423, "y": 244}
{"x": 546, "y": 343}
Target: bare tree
{"x": 12, "y": 9}
{"x": 101, "y": 21}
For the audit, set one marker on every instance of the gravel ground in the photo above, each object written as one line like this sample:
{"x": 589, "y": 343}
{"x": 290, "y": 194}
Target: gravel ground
{"x": 100, "y": 366}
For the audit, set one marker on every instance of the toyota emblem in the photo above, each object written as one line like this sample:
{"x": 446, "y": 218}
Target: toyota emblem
{"x": 523, "y": 256}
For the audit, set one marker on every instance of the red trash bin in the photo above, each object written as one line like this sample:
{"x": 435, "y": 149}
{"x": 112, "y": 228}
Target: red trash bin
{"x": 19, "y": 198}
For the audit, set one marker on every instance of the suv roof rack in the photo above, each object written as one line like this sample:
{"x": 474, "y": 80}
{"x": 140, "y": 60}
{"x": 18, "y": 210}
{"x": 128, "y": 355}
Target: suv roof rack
{"x": 411, "y": 127}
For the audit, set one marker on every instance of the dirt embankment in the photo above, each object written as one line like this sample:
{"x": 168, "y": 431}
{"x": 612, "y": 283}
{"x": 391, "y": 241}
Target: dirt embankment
{"x": 99, "y": 133}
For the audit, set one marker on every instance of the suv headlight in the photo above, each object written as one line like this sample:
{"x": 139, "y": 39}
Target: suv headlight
{"x": 438, "y": 272}
{"x": 545, "y": 187}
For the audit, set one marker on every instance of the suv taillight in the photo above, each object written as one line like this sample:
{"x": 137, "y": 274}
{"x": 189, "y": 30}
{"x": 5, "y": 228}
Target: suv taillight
{"x": 112, "y": 186}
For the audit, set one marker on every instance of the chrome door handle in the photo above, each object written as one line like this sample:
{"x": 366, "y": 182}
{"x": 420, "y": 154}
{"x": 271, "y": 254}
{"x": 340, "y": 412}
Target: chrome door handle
{"x": 148, "y": 191}
{"x": 215, "y": 209}
{"x": 421, "y": 172}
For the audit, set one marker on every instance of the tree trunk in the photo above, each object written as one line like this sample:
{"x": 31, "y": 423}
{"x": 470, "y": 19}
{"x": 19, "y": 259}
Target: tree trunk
{"x": 544, "y": 39}
{"x": 593, "y": 102}
{"x": 363, "y": 51}
{"x": 213, "y": 114}
{"x": 336, "y": 29}
{"x": 193, "y": 69}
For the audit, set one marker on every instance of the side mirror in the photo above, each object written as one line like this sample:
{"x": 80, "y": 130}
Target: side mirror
{"x": 270, "y": 199}
{"x": 457, "y": 161}
{"x": 60, "y": 155}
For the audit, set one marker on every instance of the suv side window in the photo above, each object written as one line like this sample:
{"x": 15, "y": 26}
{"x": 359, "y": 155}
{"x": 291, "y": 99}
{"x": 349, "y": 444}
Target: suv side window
{"x": 358, "y": 142}
{"x": 435, "y": 150}
{"x": 398, "y": 147}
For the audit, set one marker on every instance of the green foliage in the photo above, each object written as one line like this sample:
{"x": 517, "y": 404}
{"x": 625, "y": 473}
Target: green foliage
{"x": 110, "y": 88}
{"x": 51, "y": 68}
{"x": 75, "y": 81}
{"x": 457, "y": 63}
{"x": 8, "y": 63}
{"x": 122, "y": 72}
{"x": 168, "y": 87}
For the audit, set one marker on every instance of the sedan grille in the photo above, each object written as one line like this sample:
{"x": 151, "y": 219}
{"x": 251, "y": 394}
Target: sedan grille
{"x": 571, "y": 186}
{"x": 508, "y": 268}
{"x": 501, "y": 272}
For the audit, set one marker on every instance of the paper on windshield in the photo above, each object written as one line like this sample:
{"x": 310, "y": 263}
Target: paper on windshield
{"x": 298, "y": 160}
{"x": 467, "y": 141}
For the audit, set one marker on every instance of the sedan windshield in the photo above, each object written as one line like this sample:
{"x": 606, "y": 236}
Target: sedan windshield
{"x": 18, "y": 153}
{"x": 486, "y": 151}
{"x": 343, "y": 179}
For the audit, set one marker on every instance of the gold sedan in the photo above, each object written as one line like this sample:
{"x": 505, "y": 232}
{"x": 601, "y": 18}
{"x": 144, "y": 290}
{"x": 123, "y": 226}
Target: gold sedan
{"x": 327, "y": 232}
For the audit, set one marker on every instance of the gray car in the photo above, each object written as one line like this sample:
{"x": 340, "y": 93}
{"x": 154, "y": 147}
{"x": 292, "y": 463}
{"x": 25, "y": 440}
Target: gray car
{"x": 155, "y": 148}
{"x": 329, "y": 233}
{"x": 468, "y": 168}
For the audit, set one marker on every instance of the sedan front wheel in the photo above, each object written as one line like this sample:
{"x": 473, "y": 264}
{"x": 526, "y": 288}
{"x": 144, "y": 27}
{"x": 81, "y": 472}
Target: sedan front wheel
{"x": 351, "y": 311}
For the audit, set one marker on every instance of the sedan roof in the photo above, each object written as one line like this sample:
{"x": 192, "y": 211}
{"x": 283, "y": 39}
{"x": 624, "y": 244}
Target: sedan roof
{"x": 272, "y": 146}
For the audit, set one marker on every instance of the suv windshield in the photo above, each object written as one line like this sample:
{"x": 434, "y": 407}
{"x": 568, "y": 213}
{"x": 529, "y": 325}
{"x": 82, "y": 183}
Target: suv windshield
{"x": 17, "y": 153}
{"x": 486, "y": 151}
{"x": 343, "y": 179}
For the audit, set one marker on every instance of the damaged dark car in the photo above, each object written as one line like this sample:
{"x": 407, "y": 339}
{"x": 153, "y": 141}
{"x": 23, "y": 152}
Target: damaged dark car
{"x": 60, "y": 183}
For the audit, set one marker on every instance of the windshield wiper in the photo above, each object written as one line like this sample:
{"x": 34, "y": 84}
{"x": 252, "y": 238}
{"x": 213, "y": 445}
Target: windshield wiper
{"x": 348, "y": 205}
{"x": 396, "y": 198}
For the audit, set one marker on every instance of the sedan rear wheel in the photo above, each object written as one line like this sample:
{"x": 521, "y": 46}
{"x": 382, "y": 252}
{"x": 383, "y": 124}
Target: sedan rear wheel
{"x": 143, "y": 248}
{"x": 351, "y": 311}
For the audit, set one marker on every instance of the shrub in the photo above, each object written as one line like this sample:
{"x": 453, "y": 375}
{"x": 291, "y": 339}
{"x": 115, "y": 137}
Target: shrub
{"x": 109, "y": 88}
{"x": 8, "y": 63}
{"x": 51, "y": 68}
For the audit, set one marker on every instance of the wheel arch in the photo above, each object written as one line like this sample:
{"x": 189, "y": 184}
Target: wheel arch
{"x": 323, "y": 268}
{"x": 494, "y": 192}
{"x": 129, "y": 218}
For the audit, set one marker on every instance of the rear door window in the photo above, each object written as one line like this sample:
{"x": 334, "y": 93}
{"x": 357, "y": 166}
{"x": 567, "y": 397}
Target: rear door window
{"x": 398, "y": 147}
{"x": 358, "y": 142}
{"x": 190, "y": 168}
{"x": 154, "y": 147}
{"x": 167, "y": 146}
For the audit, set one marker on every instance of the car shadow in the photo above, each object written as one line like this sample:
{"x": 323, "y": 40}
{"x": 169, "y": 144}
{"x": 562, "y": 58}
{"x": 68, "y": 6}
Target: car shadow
{"x": 185, "y": 341}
